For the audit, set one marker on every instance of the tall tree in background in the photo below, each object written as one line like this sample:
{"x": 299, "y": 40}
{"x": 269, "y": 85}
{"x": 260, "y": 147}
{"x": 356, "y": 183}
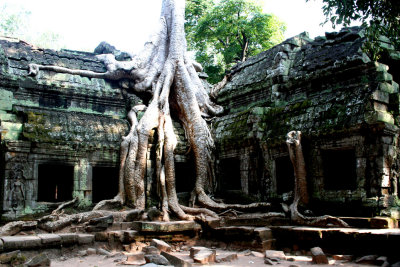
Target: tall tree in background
{"x": 229, "y": 31}
{"x": 12, "y": 23}
{"x": 380, "y": 17}
{"x": 15, "y": 22}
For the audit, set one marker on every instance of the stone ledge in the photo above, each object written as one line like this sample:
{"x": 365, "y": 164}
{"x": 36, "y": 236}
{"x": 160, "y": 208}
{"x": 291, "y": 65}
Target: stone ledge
{"x": 167, "y": 227}
{"x": 50, "y": 239}
{"x": 68, "y": 239}
{"x": 21, "y": 242}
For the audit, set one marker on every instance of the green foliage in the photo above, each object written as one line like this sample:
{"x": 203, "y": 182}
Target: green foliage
{"x": 227, "y": 31}
{"x": 14, "y": 22}
{"x": 380, "y": 17}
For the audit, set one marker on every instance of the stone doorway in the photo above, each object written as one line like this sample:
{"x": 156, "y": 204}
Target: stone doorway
{"x": 104, "y": 183}
{"x": 55, "y": 182}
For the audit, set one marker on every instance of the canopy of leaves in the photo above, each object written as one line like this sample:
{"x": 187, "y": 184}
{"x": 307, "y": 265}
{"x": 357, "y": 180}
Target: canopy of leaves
{"x": 225, "y": 32}
{"x": 381, "y": 17}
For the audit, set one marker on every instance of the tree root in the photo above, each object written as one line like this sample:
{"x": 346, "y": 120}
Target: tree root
{"x": 300, "y": 187}
{"x": 65, "y": 205}
{"x": 319, "y": 221}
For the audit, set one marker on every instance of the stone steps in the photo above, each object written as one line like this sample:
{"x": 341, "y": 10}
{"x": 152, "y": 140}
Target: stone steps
{"x": 259, "y": 238}
{"x": 371, "y": 222}
{"x": 23, "y": 242}
{"x": 339, "y": 240}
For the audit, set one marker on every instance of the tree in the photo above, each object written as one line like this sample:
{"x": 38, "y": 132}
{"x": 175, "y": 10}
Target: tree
{"x": 13, "y": 23}
{"x": 164, "y": 70}
{"x": 380, "y": 17}
{"x": 230, "y": 31}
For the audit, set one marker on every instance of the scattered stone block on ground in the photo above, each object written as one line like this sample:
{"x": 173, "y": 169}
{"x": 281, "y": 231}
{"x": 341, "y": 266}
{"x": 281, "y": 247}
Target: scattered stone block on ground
{"x": 7, "y": 257}
{"x": 257, "y": 254}
{"x": 156, "y": 259}
{"x": 176, "y": 261}
{"x": 194, "y": 250}
{"x": 318, "y": 256}
{"x": 136, "y": 258}
{"x": 38, "y": 260}
{"x": 369, "y": 259}
{"x": 205, "y": 256}
{"x": 269, "y": 262}
{"x": 150, "y": 250}
{"x": 226, "y": 257}
{"x": 104, "y": 252}
{"x": 160, "y": 245}
{"x": 91, "y": 251}
{"x": 343, "y": 257}
{"x": 275, "y": 254}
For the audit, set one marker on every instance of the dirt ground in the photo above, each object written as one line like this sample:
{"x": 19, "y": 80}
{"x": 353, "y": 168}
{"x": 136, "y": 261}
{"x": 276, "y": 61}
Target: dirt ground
{"x": 242, "y": 261}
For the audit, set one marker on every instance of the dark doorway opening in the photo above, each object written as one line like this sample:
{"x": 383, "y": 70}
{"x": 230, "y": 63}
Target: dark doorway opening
{"x": 185, "y": 176}
{"x": 339, "y": 169}
{"x": 284, "y": 174}
{"x": 230, "y": 174}
{"x": 104, "y": 183}
{"x": 55, "y": 182}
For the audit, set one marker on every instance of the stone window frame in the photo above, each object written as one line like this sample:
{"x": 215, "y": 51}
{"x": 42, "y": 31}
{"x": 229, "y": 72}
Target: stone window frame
{"x": 43, "y": 161}
{"x": 317, "y": 179}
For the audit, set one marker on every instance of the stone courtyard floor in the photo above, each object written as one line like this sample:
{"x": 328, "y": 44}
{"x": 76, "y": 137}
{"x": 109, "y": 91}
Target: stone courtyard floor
{"x": 242, "y": 261}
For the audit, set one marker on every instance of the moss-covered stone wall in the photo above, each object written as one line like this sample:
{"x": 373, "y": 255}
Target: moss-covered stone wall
{"x": 329, "y": 89}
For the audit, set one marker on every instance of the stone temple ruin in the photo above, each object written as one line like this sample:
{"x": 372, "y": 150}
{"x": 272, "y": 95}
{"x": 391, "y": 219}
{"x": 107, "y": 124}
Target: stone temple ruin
{"x": 61, "y": 133}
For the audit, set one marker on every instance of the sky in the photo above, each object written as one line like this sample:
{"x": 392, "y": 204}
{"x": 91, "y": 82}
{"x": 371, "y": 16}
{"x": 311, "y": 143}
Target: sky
{"x": 127, "y": 24}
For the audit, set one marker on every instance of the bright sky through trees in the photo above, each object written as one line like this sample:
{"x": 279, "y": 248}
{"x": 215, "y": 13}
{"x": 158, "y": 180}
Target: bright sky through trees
{"x": 126, "y": 24}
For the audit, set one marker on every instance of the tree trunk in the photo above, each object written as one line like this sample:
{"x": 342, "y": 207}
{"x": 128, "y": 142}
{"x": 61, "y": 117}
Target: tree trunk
{"x": 293, "y": 142}
{"x": 164, "y": 69}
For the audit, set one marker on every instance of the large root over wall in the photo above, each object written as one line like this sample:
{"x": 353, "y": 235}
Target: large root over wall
{"x": 293, "y": 142}
{"x": 164, "y": 69}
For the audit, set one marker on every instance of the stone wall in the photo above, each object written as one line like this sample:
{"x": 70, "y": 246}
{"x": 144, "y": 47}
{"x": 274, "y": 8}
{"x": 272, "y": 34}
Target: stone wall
{"x": 54, "y": 123}
{"x": 345, "y": 105}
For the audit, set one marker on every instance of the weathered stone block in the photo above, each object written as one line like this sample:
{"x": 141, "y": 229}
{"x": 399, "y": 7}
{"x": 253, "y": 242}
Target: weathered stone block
{"x": 176, "y": 261}
{"x": 275, "y": 254}
{"x": 177, "y": 226}
{"x": 5, "y": 94}
{"x": 205, "y": 256}
{"x": 8, "y": 117}
{"x": 68, "y": 239}
{"x": 318, "y": 256}
{"x": 50, "y": 239}
{"x": 380, "y": 96}
{"x": 160, "y": 245}
{"x": 135, "y": 258}
{"x": 39, "y": 260}
{"x": 12, "y": 126}
{"x": 156, "y": 259}
{"x": 5, "y": 105}
{"x": 21, "y": 242}
{"x": 101, "y": 236}
{"x": 129, "y": 236}
{"x": 227, "y": 257}
{"x": 85, "y": 239}
{"x": 194, "y": 250}
{"x": 150, "y": 250}
{"x": 263, "y": 233}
